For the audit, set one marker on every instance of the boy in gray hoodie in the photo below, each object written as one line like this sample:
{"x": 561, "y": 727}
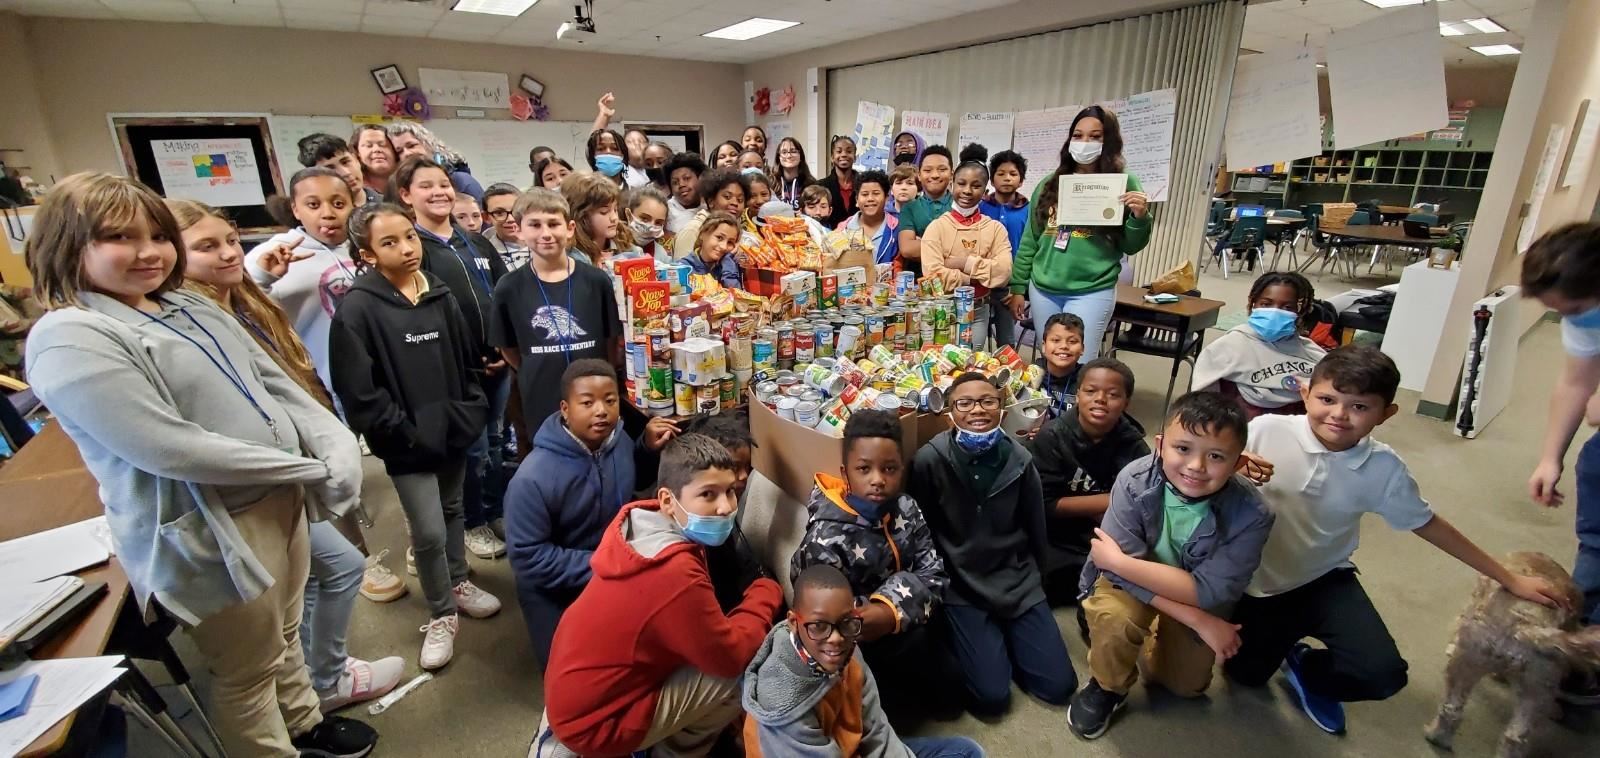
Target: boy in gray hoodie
{"x": 809, "y": 693}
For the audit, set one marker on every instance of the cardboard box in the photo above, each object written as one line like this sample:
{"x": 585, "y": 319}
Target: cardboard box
{"x": 648, "y": 299}
{"x": 792, "y": 455}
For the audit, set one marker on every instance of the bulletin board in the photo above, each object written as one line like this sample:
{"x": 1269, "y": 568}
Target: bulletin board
{"x": 227, "y": 161}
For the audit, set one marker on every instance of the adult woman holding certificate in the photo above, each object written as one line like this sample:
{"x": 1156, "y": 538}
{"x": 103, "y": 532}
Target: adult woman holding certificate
{"x": 1083, "y": 219}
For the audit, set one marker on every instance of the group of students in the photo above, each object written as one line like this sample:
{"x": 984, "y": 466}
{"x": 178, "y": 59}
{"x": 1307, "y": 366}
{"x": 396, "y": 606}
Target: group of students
{"x": 232, "y": 479}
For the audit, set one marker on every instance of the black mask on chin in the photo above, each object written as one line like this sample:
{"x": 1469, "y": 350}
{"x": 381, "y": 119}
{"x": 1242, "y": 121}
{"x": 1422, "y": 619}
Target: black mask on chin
{"x": 658, "y": 176}
{"x": 902, "y": 159}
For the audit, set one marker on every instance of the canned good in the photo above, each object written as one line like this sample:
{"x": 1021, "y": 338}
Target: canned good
{"x": 785, "y": 342}
{"x": 763, "y": 353}
{"x": 866, "y": 398}
{"x": 795, "y": 391}
{"x": 849, "y": 338}
{"x": 786, "y": 407}
{"x": 963, "y": 303}
{"x": 824, "y": 340}
{"x": 1009, "y": 357}
{"x": 884, "y": 356}
{"x": 806, "y": 413}
{"x": 888, "y": 402}
{"x": 883, "y": 381}
{"x": 851, "y": 397}
{"x": 805, "y": 345}
{"x": 683, "y": 399}
{"x": 909, "y": 382}
{"x": 1033, "y": 376}
{"x": 709, "y": 399}
{"x": 660, "y": 381}
{"x": 831, "y": 417}
{"x": 661, "y": 407}
{"x": 660, "y": 347}
{"x": 811, "y": 394}
{"x": 957, "y": 355}
{"x": 817, "y": 375}
{"x": 744, "y": 324}
{"x": 930, "y": 400}
{"x": 638, "y": 358}
{"x": 728, "y": 391}
{"x": 908, "y": 403}
{"x": 874, "y": 323}
{"x": 964, "y": 333}
{"x": 905, "y": 284}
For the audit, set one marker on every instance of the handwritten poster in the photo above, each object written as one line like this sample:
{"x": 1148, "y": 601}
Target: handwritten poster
{"x": 1386, "y": 77}
{"x": 990, "y": 129}
{"x": 1038, "y": 136}
{"x": 220, "y": 172}
{"x": 465, "y": 89}
{"x": 1583, "y": 143}
{"x": 1147, "y": 122}
{"x": 933, "y": 128}
{"x": 1555, "y": 146}
{"x": 777, "y": 130}
{"x": 874, "y": 135}
{"x": 1273, "y": 112}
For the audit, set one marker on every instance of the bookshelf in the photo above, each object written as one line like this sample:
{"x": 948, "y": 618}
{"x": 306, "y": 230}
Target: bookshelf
{"x": 1453, "y": 178}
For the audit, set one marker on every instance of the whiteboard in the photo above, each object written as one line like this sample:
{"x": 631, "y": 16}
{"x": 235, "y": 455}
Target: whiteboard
{"x": 287, "y": 131}
{"x": 1273, "y": 116}
{"x": 1386, "y": 77}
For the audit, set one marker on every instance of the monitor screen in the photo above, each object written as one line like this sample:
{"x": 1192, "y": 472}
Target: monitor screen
{"x": 1251, "y": 210}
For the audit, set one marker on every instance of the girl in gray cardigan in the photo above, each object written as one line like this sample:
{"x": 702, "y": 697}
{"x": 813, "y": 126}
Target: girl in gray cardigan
{"x": 209, "y": 458}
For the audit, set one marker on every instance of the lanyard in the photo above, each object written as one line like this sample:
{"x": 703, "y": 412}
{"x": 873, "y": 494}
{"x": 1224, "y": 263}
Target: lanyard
{"x": 790, "y": 192}
{"x": 468, "y": 262}
{"x": 565, "y": 337}
{"x": 223, "y": 364}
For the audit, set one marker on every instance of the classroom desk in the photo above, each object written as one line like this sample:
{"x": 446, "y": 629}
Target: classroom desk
{"x": 1380, "y": 235}
{"x": 1189, "y": 318}
{"x": 1394, "y": 212}
{"x": 1233, "y": 215}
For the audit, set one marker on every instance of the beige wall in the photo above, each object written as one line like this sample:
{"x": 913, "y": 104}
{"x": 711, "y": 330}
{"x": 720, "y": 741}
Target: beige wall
{"x": 86, "y": 69}
{"x": 20, "y": 126}
{"x": 1560, "y": 67}
{"x": 1026, "y": 17}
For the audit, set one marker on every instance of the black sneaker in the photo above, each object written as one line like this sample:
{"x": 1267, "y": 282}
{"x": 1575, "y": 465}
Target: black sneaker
{"x": 1581, "y": 688}
{"x": 1089, "y": 714}
{"x": 337, "y": 737}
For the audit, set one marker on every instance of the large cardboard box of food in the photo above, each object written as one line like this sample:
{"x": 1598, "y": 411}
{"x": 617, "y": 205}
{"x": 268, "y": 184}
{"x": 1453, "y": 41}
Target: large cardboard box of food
{"x": 791, "y": 455}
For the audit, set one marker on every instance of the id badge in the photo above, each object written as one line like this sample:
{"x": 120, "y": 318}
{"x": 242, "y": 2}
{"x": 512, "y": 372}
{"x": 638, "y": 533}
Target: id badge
{"x": 1063, "y": 236}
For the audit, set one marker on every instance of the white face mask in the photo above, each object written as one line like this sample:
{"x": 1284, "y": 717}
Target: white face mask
{"x": 1084, "y": 151}
{"x": 645, "y": 232}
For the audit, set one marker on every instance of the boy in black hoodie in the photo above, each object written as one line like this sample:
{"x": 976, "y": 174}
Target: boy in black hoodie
{"x": 1078, "y": 456}
{"x": 406, "y": 371}
{"x": 981, "y": 493}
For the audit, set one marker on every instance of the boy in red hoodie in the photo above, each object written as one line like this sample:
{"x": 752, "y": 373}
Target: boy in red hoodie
{"x": 645, "y": 656}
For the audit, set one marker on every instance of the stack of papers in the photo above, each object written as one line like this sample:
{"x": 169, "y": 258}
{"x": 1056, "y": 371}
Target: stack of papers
{"x": 64, "y": 684}
{"x": 58, "y": 551}
{"x": 21, "y": 607}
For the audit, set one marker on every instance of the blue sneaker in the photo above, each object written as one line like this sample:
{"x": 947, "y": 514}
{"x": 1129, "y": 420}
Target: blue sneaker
{"x": 1326, "y": 713}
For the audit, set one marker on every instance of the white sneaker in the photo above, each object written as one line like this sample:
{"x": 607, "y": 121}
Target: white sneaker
{"x": 365, "y": 451}
{"x": 475, "y": 602}
{"x": 440, "y": 644}
{"x": 411, "y": 561}
{"x": 362, "y": 681}
{"x": 482, "y": 542}
{"x": 378, "y": 583}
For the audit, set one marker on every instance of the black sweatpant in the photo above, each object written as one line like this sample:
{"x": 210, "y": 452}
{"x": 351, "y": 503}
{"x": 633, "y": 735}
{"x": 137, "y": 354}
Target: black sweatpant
{"x": 1361, "y": 661}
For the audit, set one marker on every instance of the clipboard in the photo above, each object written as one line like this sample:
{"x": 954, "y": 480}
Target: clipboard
{"x": 58, "y": 619}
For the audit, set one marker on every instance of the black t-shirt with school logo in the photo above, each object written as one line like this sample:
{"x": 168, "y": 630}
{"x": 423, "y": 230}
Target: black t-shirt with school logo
{"x": 551, "y": 324}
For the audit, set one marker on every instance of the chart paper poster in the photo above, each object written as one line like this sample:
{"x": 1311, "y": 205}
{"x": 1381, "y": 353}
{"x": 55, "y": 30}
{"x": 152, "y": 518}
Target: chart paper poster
{"x": 1273, "y": 113}
{"x": 1038, "y": 136}
{"x": 220, "y": 172}
{"x": 1386, "y": 77}
{"x": 465, "y": 89}
{"x": 991, "y": 129}
{"x": 874, "y": 135}
{"x": 1147, "y": 120}
{"x": 933, "y": 128}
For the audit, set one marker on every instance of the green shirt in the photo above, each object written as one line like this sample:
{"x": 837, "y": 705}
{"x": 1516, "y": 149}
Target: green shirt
{"x": 1178, "y": 522}
{"x": 916, "y": 216}
{"x": 1089, "y": 263}
{"x": 980, "y": 471}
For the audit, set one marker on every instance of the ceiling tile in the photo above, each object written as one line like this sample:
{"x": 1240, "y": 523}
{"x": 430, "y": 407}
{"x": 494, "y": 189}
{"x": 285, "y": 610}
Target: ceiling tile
{"x": 305, "y": 18}
{"x": 344, "y": 6}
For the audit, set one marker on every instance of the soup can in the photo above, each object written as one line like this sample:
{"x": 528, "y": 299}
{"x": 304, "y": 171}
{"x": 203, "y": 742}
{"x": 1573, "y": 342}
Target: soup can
{"x": 660, "y": 347}
{"x": 762, "y": 353}
{"x": 728, "y": 392}
{"x": 888, "y": 401}
{"x": 874, "y": 324}
{"x": 661, "y": 407}
{"x": 786, "y": 407}
{"x": 930, "y": 400}
{"x": 709, "y": 399}
{"x": 639, "y": 358}
{"x": 805, "y": 344}
{"x": 964, "y": 333}
{"x": 683, "y": 400}
{"x": 905, "y": 284}
{"x": 963, "y": 301}
{"x": 660, "y": 382}
{"x": 806, "y": 412}
{"x": 785, "y": 343}
{"x": 824, "y": 340}
{"x": 849, "y": 337}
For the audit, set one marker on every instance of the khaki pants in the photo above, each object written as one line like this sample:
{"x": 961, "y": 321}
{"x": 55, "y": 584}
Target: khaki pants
{"x": 1128, "y": 637}
{"x": 263, "y": 691}
{"x": 692, "y": 710}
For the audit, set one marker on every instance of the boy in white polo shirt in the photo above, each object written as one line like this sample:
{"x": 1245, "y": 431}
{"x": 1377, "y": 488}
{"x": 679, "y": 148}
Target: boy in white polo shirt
{"x": 1328, "y": 473}
{"x": 1562, "y": 270}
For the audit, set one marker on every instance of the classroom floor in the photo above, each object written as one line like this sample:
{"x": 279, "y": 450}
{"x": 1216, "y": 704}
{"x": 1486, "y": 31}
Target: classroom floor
{"x": 487, "y": 702}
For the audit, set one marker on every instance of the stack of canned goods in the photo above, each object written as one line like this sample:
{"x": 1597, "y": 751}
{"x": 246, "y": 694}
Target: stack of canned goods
{"x": 823, "y": 393}
{"x": 655, "y": 389}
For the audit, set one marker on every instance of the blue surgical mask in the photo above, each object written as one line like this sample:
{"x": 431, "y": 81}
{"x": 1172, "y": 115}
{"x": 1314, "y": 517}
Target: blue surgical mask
{"x": 866, "y": 508}
{"x": 1273, "y": 324}
{"x": 978, "y": 443}
{"x": 1589, "y": 319}
{"x": 710, "y": 531}
{"x": 610, "y": 165}
{"x": 751, "y": 170}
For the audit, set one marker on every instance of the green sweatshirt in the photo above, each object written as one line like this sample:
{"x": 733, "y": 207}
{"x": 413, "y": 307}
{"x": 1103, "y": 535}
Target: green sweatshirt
{"x": 1090, "y": 262}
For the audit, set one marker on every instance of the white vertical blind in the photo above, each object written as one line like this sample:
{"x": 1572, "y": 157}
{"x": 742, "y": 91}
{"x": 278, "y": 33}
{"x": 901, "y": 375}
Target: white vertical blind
{"x": 1190, "y": 49}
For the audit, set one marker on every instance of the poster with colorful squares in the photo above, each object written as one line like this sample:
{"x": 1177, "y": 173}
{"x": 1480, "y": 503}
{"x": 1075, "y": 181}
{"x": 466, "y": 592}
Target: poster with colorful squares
{"x": 219, "y": 172}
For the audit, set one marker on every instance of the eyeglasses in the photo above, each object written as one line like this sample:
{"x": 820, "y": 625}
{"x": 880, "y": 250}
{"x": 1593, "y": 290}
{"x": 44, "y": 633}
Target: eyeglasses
{"x": 795, "y": 153}
{"x": 848, "y": 627}
{"x": 988, "y": 403}
{"x": 497, "y": 215}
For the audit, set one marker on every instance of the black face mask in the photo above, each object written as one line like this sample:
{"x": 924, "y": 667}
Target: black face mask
{"x": 658, "y": 176}
{"x": 904, "y": 159}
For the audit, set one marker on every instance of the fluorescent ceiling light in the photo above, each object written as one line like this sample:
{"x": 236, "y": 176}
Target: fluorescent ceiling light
{"x": 750, "y": 29}
{"x": 1449, "y": 29}
{"x": 1485, "y": 25}
{"x": 1392, "y": 3}
{"x": 494, "y": 7}
{"x": 1496, "y": 50}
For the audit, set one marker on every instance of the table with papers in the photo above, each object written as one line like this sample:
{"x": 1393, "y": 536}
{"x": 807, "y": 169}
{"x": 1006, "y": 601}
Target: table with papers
{"x": 64, "y": 685}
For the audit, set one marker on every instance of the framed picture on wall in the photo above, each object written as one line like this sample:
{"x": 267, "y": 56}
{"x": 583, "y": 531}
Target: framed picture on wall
{"x": 389, "y": 79}
{"x": 532, "y": 86}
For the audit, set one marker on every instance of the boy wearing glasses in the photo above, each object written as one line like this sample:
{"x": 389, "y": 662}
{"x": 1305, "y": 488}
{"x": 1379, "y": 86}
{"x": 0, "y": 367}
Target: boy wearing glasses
{"x": 808, "y": 691}
{"x": 986, "y": 510}
{"x": 498, "y": 202}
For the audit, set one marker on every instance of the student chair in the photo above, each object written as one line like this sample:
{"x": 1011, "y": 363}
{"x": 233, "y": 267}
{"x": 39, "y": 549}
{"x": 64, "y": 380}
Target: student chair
{"x": 1244, "y": 242}
{"x": 1216, "y": 229}
{"x": 1281, "y": 236}
{"x": 1272, "y": 203}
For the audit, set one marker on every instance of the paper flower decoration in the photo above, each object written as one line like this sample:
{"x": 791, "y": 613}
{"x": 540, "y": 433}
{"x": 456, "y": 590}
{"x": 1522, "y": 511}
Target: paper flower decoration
{"x": 786, "y": 100}
{"x": 521, "y": 107}
{"x": 763, "y": 104}
{"x": 541, "y": 112}
{"x": 416, "y": 105}
{"x": 394, "y": 104}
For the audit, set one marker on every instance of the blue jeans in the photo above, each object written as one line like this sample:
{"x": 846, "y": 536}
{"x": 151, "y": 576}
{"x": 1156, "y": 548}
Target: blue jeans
{"x": 1586, "y": 569}
{"x": 485, "y": 485}
{"x": 1093, "y": 307}
{"x": 943, "y": 747}
{"x": 336, "y": 571}
{"x": 990, "y": 650}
